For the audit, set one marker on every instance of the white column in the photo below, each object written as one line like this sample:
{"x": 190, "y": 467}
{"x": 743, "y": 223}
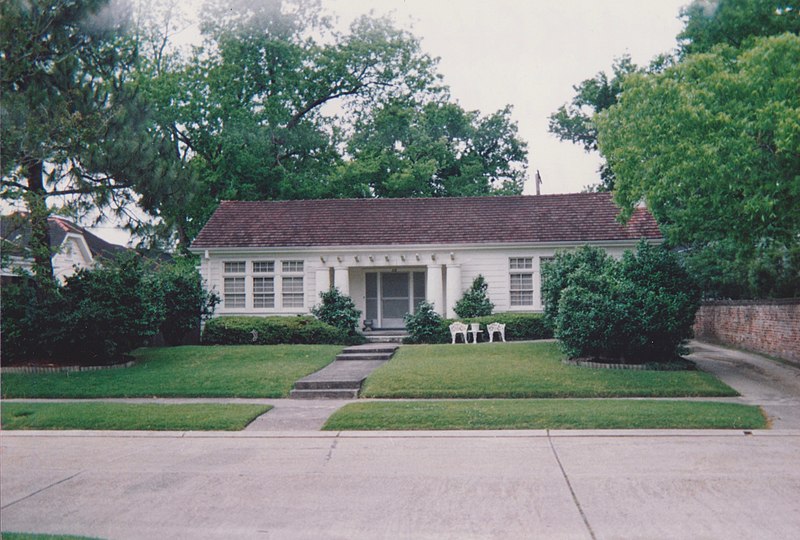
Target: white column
{"x": 341, "y": 279}
{"x": 434, "y": 290}
{"x": 453, "y": 288}
{"x": 323, "y": 282}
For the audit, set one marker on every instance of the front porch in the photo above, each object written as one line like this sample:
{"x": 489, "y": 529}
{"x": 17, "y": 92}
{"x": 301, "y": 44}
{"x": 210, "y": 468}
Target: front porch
{"x": 385, "y": 294}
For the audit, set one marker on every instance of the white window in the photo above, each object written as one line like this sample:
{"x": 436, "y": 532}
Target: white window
{"x": 234, "y": 292}
{"x": 263, "y": 267}
{"x": 521, "y": 282}
{"x": 234, "y": 267}
{"x": 234, "y": 286}
{"x": 521, "y": 263}
{"x": 293, "y": 292}
{"x": 292, "y": 266}
{"x": 263, "y": 292}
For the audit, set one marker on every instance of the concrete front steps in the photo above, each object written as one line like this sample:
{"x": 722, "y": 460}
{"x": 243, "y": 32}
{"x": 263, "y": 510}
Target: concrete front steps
{"x": 342, "y": 378}
{"x": 385, "y": 336}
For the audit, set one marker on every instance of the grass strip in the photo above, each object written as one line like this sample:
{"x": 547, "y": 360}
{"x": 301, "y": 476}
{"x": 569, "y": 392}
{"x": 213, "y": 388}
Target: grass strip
{"x": 522, "y": 370}
{"x": 265, "y": 371}
{"x": 545, "y": 414}
{"x": 127, "y": 416}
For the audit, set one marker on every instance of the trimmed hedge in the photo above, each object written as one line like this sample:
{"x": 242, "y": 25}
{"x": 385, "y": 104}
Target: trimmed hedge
{"x": 303, "y": 330}
{"x": 519, "y": 327}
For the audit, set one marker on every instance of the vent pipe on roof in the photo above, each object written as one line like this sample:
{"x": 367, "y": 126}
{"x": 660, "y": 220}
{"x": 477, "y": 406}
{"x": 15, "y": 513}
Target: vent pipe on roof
{"x": 538, "y": 180}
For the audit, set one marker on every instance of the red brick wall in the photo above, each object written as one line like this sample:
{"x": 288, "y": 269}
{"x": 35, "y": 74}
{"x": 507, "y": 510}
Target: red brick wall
{"x": 766, "y": 326}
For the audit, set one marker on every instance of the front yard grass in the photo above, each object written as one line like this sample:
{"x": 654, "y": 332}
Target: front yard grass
{"x": 545, "y": 414}
{"x": 522, "y": 370}
{"x": 125, "y": 416}
{"x": 192, "y": 371}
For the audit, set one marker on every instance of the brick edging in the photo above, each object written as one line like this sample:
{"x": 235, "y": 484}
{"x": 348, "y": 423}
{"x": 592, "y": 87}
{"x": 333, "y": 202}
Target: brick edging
{"x": 602, "y": 365}
{"x": 63, "y": 369}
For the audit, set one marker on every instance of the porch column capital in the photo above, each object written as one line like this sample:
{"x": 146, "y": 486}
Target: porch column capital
{"x": 434, "y": 290}
{"x": 341, "y": 279}
{"x": 453, "y": 288}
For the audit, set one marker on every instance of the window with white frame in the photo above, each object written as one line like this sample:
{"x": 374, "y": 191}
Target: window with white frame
{"x": 292, "y": 266}
{"x": 234, "y": 295}
{"x": 263, "y": 285}
{"x": 521, "y": 281}
{"x": 263, "y": 267}
{"x": 292, "y": 292}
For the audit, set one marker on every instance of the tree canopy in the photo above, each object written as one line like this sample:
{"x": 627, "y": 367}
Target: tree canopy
{"x": 712, "y": 145}
{"x": 735, "y": 22}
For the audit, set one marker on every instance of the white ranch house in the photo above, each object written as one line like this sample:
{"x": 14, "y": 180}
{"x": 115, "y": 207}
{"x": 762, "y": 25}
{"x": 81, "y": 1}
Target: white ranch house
{"x": 275, "y": 258}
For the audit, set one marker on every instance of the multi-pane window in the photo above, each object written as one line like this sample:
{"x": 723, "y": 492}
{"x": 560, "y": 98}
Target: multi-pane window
{"x": 235, "y": 267}
{"x": 234, "y": 286}
{"x": 263, "y": 286}
{"x": 263, "y": 292}
{"x": 263, "y": 267}
{"x": 292, "y": 266}
{"x": 521, "y": 263}
{"x": 521, "y": 282}
{"x": 293, "y": 292}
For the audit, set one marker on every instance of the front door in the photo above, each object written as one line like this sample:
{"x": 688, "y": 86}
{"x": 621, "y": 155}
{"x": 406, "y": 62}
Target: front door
{"x": 392, "y": 295}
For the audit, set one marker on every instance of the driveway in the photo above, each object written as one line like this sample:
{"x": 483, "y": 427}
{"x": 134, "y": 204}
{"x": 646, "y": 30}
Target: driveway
{"x": 772, "y": 384}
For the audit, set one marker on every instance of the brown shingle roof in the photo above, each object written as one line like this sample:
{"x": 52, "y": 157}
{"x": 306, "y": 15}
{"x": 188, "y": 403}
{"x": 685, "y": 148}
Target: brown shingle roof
{"x": 579, "y": 217}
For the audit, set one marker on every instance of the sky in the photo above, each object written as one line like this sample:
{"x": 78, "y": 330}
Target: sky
{"x": 526, "y": 53}
{"x": 529, "y": 54}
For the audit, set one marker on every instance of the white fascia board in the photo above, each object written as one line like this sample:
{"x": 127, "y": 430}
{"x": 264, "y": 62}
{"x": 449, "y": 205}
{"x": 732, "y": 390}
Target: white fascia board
{"x": 396, "y": 248}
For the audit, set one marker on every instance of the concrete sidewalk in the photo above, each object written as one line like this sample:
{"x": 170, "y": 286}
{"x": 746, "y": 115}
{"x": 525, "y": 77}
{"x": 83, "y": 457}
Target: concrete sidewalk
{"x": 512, "y": 484}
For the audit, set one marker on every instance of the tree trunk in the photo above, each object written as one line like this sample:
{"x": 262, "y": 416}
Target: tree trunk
{"x": 36, "y": 200}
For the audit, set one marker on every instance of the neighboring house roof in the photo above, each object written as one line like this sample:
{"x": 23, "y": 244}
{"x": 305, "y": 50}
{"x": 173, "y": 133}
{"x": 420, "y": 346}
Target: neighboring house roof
{"x": 15, "y": 231}
{"x": 579, "y": 217}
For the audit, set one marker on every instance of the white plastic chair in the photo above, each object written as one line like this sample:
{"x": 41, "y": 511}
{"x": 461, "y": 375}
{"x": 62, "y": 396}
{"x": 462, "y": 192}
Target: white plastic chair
{"x": 475, "y": 329}
{"x": 496, "y": 327}
{"x": 458, "y": 328}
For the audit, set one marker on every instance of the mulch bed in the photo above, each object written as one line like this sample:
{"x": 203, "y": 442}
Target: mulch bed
{"x": 52, "y": 366}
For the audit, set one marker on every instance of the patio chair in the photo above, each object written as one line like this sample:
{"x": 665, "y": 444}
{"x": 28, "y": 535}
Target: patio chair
{"x": 496, "y": 327}
{"x": 475, "y": 330}
{"x": 458, "y": 328}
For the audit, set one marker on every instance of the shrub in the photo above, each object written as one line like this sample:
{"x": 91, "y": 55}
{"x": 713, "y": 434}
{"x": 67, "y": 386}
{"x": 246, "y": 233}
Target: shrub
{"x": 425, "y": 325}
{"x": 276, "y": 330}
{"x": 475, "y": 303}
{"x": 186, "y": 302}
{"x": 110, "y": 310}
{"x": 32, "y": 322}
{"x": 338, "y": 310}
{"x": 638, "y": 310}
{"x": 519, "y": 326}
{"x": 556, "y": 275}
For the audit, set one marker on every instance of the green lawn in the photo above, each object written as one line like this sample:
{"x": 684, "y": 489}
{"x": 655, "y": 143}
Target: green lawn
{"x": 545, "y": 414}
{"x": 195, "y": 371}
{"x": 124, "y": 416}
{"x": 522, "y": 370}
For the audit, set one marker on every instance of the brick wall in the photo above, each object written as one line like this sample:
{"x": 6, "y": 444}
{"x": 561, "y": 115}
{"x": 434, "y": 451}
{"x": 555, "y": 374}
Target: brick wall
{"x": 766, "y": 326}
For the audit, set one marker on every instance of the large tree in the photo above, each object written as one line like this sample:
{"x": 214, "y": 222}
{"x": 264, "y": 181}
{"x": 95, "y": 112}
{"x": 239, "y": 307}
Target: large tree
{"x": 435, "y": 149}
{"x": 735, "y": 22}
{"x": 261, "y": 109}
{"x": 712, "y": 145}
{"x": 73, "y": 128}
{"x": 574, "y": 121}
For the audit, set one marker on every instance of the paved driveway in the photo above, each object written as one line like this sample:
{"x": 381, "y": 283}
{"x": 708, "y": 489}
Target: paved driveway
{"x": 773, "y": 385}
{"x": 422, "y": 485}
